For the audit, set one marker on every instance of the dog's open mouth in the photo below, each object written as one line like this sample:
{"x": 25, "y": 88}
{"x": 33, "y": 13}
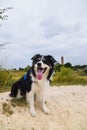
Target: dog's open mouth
{"x": 40, "y": 72}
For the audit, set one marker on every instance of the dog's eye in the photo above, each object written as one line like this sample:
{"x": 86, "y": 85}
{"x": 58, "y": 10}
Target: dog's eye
{"x": 44, "y": 59}
{"x": 38, "y": 59}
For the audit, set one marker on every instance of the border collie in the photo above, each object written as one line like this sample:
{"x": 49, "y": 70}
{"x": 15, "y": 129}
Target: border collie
{"x": 34, "y": 83}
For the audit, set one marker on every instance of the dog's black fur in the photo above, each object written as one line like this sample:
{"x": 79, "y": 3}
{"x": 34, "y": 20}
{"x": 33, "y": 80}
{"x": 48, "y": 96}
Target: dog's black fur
{"x": 24, "y": 84}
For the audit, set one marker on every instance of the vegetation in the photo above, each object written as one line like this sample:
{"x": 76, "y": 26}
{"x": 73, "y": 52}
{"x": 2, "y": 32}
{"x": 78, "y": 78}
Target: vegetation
{"x": 7, "y": 109}
{"x": 7, "y": 78}
{"x": 67, "y": 76}
{"x": 18, "y": 102}
{"x": 64, "y": 75}
{"x": 3, "y": 16}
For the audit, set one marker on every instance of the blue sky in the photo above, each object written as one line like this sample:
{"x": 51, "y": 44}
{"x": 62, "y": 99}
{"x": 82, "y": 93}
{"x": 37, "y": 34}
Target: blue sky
{"x": 55, "y": 27}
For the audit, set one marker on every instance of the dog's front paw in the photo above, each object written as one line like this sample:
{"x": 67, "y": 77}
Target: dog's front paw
{"x": 46, "y": 110}
{"x": 32, "y": 112}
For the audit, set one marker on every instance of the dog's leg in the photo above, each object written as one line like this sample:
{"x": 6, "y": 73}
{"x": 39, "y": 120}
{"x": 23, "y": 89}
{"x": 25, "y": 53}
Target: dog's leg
{"x": 19, "y": 94}
{"x": 44, "y": 107}
{"x": 30, "y": 100}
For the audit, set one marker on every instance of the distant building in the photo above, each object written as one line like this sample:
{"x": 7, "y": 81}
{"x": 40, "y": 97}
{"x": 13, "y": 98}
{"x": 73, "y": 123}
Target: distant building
{"x": 62, "y": 60}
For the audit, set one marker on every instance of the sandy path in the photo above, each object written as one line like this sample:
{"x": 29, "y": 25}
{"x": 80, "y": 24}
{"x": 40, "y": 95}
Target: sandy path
{"x": 68, "y": 107}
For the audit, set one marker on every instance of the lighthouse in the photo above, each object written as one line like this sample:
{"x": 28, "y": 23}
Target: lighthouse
{"x": 62, "y": 60}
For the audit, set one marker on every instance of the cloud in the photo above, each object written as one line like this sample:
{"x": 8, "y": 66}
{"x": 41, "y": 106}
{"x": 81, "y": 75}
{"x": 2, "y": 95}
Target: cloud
{"x": 46, "y": 27}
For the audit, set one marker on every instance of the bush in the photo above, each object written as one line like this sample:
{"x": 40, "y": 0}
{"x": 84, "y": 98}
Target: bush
{"x": 85, "y": 71}
{"x": 63, "y": 77}
{"x": 5, "y": 80}
{"x": 8, "y": 77}
{"x": 67, "y": 76}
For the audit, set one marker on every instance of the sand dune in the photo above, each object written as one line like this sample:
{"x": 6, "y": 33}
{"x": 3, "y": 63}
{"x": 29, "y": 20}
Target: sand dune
{"x": 68, "y": 106}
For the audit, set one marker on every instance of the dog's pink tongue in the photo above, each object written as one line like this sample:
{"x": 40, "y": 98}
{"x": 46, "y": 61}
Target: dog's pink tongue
{"x": 39, "y": 75}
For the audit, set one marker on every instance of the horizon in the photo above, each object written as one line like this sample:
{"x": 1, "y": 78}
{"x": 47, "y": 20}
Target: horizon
{"x": 58, "y": 62}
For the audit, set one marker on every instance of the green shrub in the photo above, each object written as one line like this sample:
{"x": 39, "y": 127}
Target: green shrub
{"x": 85, "y": 71}
{"x": 63, "y": 77}
{"x": 8, "y": 77}
{"x": 5, "y": 80}
{"x": 67, "y": 76}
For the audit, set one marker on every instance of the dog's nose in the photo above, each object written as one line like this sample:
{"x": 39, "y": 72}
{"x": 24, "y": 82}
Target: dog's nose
{"x": 39, "y": 64}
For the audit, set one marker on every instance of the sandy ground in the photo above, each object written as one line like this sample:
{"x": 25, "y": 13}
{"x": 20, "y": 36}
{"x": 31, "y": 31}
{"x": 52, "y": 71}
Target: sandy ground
{"x": 68, "y": 106}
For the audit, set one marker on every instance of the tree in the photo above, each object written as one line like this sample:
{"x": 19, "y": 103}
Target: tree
{"x": 57, "y": 67}
{"x": 3, "y": 44}
{"x": 3, "y": 16}
{"x": 27, "y": 68}
{"x": 68, "y": 65}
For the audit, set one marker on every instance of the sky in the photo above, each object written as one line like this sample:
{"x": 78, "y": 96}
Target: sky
{"x": 54, "y": 27}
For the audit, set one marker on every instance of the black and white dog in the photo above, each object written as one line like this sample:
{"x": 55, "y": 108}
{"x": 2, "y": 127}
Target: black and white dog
{"x": 35, "y": 82}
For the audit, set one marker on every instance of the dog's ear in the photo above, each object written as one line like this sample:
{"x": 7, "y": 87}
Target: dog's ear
{"x": 51, "y": 59}
{"x": 35, "y": 56}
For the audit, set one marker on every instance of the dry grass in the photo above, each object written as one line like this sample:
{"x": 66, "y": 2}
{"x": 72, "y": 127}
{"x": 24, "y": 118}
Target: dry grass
{"x": 18, "y": 102}
{"x": 7, "y": 109}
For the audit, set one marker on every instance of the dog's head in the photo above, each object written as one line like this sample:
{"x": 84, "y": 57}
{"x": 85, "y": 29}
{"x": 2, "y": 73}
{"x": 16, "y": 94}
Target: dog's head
{"x": 43, "y": 66}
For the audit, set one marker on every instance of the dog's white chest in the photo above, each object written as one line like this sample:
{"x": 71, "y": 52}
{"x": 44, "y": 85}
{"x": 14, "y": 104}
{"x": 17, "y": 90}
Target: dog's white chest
{"x": 40, "y": 86}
